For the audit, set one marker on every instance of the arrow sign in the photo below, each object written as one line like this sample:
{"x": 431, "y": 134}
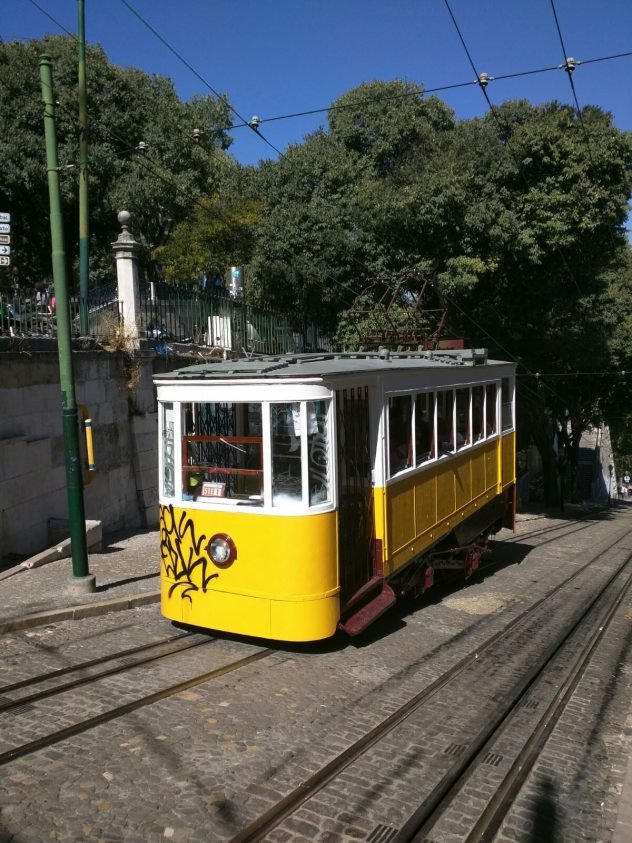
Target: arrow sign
{"x": 5, "y": 250}
{"x": 5, "y": 228}
{"x": 4, "y": 217}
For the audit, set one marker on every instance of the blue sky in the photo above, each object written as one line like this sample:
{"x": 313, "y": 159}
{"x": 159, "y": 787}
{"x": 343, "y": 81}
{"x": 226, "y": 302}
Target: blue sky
{"x": 278, "y": 57}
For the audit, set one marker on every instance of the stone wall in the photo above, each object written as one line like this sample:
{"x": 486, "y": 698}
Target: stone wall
{"x": 120, "y": 397}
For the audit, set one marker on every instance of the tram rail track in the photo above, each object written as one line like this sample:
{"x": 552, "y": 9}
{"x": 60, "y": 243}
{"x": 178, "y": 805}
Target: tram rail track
{"x": 7, "y": 704}
{"x": 89, "y": 663}
{"x": 259, "y": 828}
{"x": 119, "y": 711}
{"x": 427, "y": 815}
{"x": 570, "y": 527}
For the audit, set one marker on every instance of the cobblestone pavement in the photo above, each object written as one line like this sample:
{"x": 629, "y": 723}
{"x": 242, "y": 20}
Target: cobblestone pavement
{"x": 200, "y": 764}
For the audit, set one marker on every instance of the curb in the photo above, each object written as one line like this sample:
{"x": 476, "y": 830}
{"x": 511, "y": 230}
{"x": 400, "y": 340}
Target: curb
{"x": 85, "y": 610}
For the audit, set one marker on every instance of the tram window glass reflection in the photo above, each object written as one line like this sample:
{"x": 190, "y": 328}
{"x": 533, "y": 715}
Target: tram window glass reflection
{"x": 491, "y": 409}
{"x": 463, "y": 435}
{"x": 400, "y": 433}
{"x": 222, "y": 452}
{"x": 287, "y": 477}
{"x": 168, "y": 451}
{"x": 507, "y": 404}
{"x": 318, "y": 458}
{"x": 445, "y": 422}
{"x": 424, "y": 427}
{"x": 478, "y": 412}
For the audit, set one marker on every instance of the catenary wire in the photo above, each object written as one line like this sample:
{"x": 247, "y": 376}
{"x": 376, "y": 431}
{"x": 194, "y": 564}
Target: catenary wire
{"x": 50, "y": 17}
{"x": 196, "y": 74}
{"x": 496, "y": 117}
{"x": 567, "y": 67}
{"x": 425, "y": 91}
{"x": 151, "y": 167}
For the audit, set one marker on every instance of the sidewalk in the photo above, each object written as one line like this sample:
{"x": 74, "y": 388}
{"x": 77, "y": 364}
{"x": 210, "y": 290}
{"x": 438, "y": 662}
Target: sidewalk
{"x": 126, "y": 572}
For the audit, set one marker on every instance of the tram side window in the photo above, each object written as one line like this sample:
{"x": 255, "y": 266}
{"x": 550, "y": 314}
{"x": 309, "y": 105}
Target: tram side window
{"x": 424, "y": 427}
{"x": 491, "y": 409}
{"x": 318, "y": 451}
{"x": 400, "y": 433}
{"x": 168, "y": 452}
{"x": 463, "y": 433}
{"x": 478, "y": 412}
{"x": 507, "y": 404}
{"x": 287, "y": 478}
{"x": 222, "y": 451}
{"x": 445, "y": 422}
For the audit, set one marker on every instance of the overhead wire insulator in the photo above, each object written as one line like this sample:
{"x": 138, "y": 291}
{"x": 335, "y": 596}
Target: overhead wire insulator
{"x": 254, "y": 122}
{"x": 484, "y": 79}
{"x": 569, "y": 65}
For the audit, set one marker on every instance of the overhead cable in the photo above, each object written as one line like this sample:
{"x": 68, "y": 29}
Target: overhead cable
{"x": 250, "y": 123}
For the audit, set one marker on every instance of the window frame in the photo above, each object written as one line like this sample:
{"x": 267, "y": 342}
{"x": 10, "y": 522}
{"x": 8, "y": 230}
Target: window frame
{"x": 471, "y": 441}
{"x": 303, "y": 506}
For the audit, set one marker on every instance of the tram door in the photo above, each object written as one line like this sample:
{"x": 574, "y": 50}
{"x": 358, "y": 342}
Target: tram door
{"x": 355, "y": 493}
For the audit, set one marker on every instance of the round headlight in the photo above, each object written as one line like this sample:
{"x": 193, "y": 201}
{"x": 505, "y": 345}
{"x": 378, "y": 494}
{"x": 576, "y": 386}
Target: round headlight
{"x": 222, "y": 551}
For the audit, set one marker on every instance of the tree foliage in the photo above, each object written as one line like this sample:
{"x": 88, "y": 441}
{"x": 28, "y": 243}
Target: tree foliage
{"x": 125, "y": 107}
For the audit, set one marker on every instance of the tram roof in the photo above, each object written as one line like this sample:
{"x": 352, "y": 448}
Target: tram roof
{"x": 322, "y": 365}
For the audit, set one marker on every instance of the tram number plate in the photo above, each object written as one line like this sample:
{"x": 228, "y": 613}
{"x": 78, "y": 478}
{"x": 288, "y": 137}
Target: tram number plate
{"x": 213, "y": 490}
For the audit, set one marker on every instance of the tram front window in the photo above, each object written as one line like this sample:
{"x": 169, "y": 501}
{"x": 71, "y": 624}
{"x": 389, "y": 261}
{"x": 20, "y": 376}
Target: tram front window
{"x": 287, "y": 474}
{"x": 222, "y": 451}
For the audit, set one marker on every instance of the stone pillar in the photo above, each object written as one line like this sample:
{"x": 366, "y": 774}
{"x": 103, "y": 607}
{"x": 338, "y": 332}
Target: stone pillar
{"x": 126, "y": 252}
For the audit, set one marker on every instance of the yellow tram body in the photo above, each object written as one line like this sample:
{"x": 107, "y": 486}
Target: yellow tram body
{"x": 293, "y": 601}
{"x": 286, "y": 509}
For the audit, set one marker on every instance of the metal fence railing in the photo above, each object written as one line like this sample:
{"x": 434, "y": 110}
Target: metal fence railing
{"x": 180, "y": 314}
{"x": 172, "y": 313}
{"x": 34, "y": 315}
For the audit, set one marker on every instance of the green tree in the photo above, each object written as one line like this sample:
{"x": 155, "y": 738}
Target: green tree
{"x": 125, "y": 107}
{"x": 219, "y": 233}
{"x": 548, "y": 198}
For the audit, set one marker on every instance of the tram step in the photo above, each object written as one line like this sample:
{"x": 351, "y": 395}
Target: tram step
{"x": 369, "y": 612}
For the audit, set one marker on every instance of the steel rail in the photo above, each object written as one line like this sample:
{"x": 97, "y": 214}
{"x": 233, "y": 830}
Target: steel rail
{"x": 64, "y": 671}
{"x": 443, "y": 794}
{"x": 494, "y": 814}
{"x": 127, "y": 708}
{"x": 259, "y": 828}
{"x": 47, "y": 693}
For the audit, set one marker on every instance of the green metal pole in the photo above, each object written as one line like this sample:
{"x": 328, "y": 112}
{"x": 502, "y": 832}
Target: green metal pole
{"x": 64, "y": 343}
{"x": 83, "y": 174}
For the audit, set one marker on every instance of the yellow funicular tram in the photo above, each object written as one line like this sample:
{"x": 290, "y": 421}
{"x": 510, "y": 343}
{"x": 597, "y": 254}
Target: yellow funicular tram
{"x": 305, "y": 493}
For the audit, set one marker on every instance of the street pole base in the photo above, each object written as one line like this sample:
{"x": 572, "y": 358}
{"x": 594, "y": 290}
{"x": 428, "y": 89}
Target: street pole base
{"x": 83, "y": 585}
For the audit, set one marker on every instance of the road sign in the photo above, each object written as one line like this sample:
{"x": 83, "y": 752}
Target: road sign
{"x": 4, "y": 217}
{"x": 5, "y": 261}
{"x": 5, "y": 250}
{"x": 5, "y": 238}
{"x": 5, "y": 228}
